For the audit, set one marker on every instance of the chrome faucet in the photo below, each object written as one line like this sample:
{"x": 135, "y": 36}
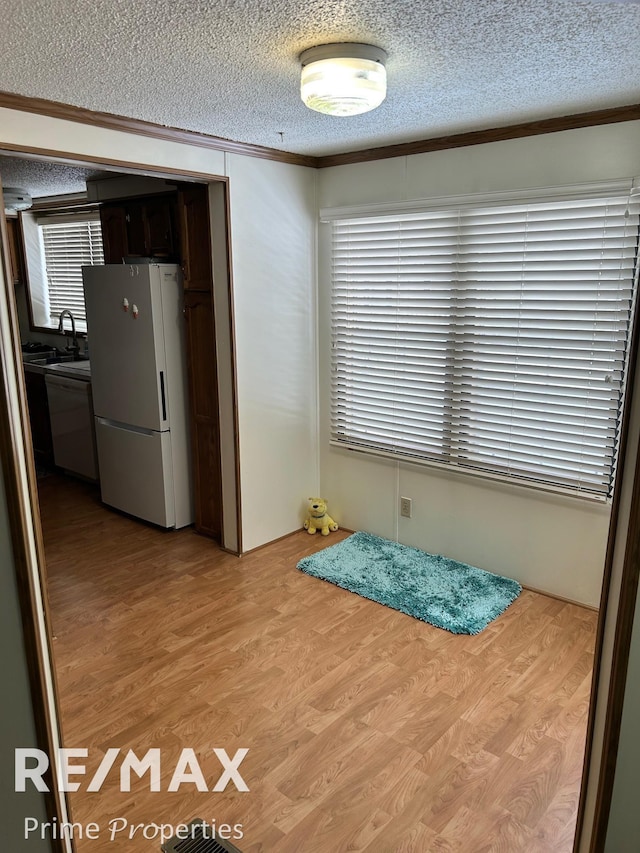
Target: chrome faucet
{"x": 74, "y": 348}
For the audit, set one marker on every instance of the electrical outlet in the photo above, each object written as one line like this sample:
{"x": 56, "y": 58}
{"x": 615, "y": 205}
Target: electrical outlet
{"x": 405, "y": 507}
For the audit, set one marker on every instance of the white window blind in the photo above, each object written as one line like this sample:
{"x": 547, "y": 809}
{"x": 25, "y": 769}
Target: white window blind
{"x": 490, "y": 338}
{"x": 67, "y": 247}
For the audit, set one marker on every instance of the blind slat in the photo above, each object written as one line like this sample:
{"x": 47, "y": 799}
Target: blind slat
{"x": 488, "y": 337}
{"x": 67, "y": 248}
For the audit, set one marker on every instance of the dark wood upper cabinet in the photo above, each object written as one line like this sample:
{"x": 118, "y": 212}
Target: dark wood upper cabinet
{"x": 144, "y": 228}
{"x": 113, "y": 223}
{"x": 195, "y": 236}
{"x": 160, "y": 234}
{"x": 136, "y": 229}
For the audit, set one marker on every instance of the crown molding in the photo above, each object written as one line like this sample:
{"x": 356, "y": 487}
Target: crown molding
{"x": 67, "y": 112}
{"x": 479, "y": 137}
{"x": 54, "y": 109}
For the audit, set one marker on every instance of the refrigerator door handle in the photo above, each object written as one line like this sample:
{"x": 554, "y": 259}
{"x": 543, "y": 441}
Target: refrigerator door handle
{"x": 163, "y": 396}
{"x": 124, "y": 427}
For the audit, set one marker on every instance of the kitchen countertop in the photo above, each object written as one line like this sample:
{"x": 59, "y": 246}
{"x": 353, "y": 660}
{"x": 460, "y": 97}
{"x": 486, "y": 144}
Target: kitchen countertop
{"x": 77, "y": 369}
{"x": 34, "y": 368}
{"x": 71, "y": 369}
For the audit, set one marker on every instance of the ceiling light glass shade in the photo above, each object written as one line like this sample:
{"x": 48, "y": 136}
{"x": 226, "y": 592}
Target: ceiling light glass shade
{"x": 343, "y": 79}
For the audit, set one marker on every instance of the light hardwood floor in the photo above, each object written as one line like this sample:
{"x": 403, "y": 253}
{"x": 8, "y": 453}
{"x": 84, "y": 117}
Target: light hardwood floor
{"x": 367, "y": 730}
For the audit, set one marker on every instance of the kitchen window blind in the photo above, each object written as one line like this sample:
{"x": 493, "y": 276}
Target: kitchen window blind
{"x": 490, "y": 338}
{"x": 67, "y": 247}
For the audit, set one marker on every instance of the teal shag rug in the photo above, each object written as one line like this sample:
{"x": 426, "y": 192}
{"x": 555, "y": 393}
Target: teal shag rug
{"x": 435, "y": 589}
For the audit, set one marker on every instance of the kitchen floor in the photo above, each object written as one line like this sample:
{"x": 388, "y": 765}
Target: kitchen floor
{"x": 366, "y": 729}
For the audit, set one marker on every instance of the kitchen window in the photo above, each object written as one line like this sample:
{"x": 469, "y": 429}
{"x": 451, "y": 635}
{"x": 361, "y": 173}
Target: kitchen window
{"x": 488, "y": 337}
{"x": 56, "y": 248}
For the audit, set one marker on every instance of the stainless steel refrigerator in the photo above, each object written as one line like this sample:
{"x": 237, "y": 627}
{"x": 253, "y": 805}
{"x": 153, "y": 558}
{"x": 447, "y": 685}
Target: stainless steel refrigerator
{"x": 139, "y": 381}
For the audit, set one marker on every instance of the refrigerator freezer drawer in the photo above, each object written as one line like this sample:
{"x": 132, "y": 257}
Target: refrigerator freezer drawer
{"x": 136, "y": 472}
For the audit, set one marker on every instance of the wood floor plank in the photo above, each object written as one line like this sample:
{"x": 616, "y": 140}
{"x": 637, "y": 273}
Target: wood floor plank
{"x": 366, "y": 729}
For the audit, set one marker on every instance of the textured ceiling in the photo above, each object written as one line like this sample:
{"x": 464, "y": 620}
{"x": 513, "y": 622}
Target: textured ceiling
{"x": 230, "y": 68}
{"x": 44, "y": 179}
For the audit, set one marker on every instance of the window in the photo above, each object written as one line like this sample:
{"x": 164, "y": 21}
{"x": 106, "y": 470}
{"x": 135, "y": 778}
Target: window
{"x": 67, "y": 248}
{"x": 57, "y": 247}
{"x": 490, "y": 338}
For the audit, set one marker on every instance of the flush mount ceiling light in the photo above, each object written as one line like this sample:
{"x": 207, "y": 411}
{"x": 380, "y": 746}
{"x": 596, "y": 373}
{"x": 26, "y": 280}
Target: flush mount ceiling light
{"x": 343, "y": 79}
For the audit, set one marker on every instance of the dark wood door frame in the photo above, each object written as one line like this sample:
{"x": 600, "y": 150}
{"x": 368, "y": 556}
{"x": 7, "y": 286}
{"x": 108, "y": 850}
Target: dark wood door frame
{"x": 15, "y": 439}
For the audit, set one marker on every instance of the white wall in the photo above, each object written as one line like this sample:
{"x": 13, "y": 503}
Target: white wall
{"x": 273, "y": 266}
{"x": 273, "y": 244}
{"x": 548, "y": 542}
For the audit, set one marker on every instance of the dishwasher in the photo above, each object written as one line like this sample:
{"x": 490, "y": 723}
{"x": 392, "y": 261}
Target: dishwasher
{"x": 71, "y": 413}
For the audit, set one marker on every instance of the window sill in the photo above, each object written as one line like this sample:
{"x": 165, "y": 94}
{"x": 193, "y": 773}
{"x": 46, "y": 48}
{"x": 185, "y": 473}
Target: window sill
{"x": 50, "y": 330}
{"x": 517, "y": 484}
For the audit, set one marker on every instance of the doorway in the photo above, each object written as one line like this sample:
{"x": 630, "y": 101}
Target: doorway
{"x": 175, "y": 221}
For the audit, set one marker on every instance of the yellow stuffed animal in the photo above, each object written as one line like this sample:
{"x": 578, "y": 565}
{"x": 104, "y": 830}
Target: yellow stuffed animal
{"x": 317, "y": 518}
